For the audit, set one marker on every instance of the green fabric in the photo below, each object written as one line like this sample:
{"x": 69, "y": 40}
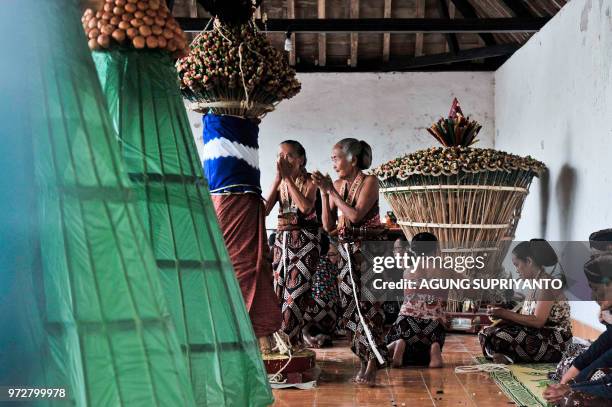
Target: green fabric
{"x": 82, "y": 305}
{"x": 173, "y": 199}
{"x": 524, "y": 382}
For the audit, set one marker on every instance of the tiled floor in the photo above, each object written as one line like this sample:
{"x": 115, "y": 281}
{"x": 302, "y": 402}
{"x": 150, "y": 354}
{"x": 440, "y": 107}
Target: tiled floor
{"x": 399, "y": 387}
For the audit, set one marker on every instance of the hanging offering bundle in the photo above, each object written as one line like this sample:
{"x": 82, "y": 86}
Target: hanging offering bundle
{"x": 234, "y": 70}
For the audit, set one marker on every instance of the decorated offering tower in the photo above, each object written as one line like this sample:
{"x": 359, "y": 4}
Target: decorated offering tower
{"x": 147, "y": 111}
{"x": 234, "y": 77}
{"x": 470, "y": 198}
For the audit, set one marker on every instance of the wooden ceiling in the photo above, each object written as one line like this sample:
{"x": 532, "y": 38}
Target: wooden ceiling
{"x": 391, "y": 35}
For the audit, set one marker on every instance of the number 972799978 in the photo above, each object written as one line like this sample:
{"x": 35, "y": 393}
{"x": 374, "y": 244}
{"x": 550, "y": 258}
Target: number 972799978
{"x": 17, "y": 393}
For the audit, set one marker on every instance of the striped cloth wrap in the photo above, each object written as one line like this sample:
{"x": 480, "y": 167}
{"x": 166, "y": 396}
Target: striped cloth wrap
{"x": 231, "y": 154}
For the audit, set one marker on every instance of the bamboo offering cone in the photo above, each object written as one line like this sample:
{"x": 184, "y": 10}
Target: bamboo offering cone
{"x": 470, "y": 198}
{"x": 205, "y": 300}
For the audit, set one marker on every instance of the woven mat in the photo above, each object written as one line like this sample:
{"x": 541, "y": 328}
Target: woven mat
{"x": 524, "y": 383}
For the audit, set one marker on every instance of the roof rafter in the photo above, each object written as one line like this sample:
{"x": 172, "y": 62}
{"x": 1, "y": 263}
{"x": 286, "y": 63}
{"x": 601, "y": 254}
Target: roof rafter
{"x": 468, "y": 11}
{"x": 391, "y": 25}
{"x": 518, "y": 8}
{"x": 451, "y": 39}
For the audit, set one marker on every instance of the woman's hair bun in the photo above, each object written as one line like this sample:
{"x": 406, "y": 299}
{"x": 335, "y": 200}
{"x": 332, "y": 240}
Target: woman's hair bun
{"x": 539, "y": 250}
{"x": 358, "y": 149}
{"x": 543, "y": 253}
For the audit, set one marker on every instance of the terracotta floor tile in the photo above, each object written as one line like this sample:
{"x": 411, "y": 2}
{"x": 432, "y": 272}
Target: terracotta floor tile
{"x": 414, "y": 402}
{"x": 406, "y": 387}
{"x": 453, "y": 403}
{"x": 407, "y": 397}
{"x": 333, "y": 404}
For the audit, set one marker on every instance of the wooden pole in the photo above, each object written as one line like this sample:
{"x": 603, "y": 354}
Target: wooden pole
{"x": 354, "y": 13}
{"x": 387, "y": 36}
{"x": 322, "y": 36}
{"x": 420, "y": 13}
{"x": 291, "y": 15}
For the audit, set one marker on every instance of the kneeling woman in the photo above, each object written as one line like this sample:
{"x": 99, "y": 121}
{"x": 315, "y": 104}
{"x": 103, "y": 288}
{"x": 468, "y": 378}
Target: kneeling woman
{"x": 355, "y": 194}
{"x": 418, "y": 334}
{"x": 542, "y": 331}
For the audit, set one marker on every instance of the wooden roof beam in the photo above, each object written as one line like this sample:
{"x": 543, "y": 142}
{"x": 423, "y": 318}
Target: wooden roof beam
{"x": 451, "y": 39}
{"x": 391, "y": 25}
{"x": 400, "y": 64}
{"x": 518, "y": 8}
{"x": 489, "y": 64}
{"x": 468, "y": 11}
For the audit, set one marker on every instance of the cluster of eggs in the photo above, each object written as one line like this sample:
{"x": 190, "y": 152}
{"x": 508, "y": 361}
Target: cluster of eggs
{"x": 137, "y": 23}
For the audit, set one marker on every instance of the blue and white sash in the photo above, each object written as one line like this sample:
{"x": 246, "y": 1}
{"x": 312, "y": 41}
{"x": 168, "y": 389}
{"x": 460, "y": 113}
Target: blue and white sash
{"x": 231, "y": 154}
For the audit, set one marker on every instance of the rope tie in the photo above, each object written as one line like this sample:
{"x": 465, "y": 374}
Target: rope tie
{"x": 197, "y": 37}
{"x": 485, "y": 367}
{"x": 246, "y": 90}
{"x": 361, "y": 319}
{"x": 284, "y": 349}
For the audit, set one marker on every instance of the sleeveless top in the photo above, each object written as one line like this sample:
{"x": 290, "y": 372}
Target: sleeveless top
{"x": 289, "y": 216}
{"x": 369, "y": 226}
{"x": 559, "y": 316}
{"x": 423, "y": 306}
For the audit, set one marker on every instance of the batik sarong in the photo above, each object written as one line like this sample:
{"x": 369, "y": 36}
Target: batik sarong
{"x": 419, "y": 334}
{"x": 366, "y": 313}
{"x": 524, "y": 344}
{"x": 296, "y": 257}
{"x": 241, "y": 218}
{"x": 322, "y": 303}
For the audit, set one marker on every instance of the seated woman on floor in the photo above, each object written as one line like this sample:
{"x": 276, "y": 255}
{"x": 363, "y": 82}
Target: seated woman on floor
{"x": 542, "y": 330}
{"x": 418, "y": 334}
{"x": 589, "y": 380}
{"x": 392, "y": 308}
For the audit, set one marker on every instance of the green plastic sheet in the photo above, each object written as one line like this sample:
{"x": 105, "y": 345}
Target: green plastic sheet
{"x": 205, "y": 300}
{"x": 81, "y": 307}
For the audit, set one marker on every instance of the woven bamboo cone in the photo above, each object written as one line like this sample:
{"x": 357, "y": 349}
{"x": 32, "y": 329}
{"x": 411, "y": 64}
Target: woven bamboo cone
{"x": 467, "y": 210}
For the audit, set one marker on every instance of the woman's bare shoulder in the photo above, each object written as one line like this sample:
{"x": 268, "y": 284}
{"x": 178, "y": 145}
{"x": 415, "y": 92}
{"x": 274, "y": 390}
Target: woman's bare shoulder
{"x": 371, "y": 180}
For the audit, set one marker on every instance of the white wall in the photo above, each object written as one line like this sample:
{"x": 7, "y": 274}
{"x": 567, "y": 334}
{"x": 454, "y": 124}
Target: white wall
{"x": 553, "y": 100}
{"x": 389, "y": 111}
